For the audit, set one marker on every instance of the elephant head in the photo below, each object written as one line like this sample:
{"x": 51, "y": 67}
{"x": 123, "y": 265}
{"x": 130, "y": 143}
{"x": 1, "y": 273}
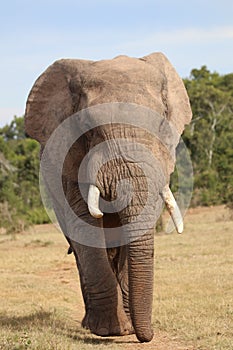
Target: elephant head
{"x": 149, "y": 91}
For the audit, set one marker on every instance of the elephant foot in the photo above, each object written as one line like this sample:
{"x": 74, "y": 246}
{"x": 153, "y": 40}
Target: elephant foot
{"x": 107, "y": 323}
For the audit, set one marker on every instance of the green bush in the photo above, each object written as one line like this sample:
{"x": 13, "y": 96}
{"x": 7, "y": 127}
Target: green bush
{"x": 20, "y": 201}
{"x": 37, "y": 216}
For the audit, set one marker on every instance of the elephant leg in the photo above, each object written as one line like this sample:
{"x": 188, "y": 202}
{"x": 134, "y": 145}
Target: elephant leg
{"x": 119, "y": 263}
{"x": 81, "y": 276}
{"x": 117, "y": 255}
{"x": 105, "y": 314}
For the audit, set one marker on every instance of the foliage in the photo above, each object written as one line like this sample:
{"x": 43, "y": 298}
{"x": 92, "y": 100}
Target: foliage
{"x": 209, "y": 136}
{"x": 14, "y": 131}
{"x": 20, "y": 202}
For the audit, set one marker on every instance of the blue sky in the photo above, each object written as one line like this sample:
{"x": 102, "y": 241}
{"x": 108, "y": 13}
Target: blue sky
{"x": 35, "y": 34}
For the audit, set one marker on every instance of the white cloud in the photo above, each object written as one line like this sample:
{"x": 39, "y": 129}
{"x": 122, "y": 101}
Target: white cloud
{"x": 185, "y": 36}
{"x": 199, "y": 35}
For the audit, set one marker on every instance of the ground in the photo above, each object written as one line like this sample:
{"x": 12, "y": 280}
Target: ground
{"x": 41, "y": 305}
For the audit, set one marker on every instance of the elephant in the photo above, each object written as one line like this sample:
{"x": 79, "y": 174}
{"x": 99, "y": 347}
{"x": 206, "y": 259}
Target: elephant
{"x": 116, "y": 279}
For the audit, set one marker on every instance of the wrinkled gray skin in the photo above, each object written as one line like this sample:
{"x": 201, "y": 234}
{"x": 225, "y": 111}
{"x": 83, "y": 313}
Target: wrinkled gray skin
{"x": 117, "y": 283}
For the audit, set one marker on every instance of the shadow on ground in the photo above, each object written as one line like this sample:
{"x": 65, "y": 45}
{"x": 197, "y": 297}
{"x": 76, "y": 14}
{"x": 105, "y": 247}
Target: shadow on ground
{"x": 20, "y": 322}
{"x": 45, "y": 321}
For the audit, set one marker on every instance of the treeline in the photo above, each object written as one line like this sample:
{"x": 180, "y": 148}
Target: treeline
{"x": 209, "y": 139}
{"x": 20, "y": 202}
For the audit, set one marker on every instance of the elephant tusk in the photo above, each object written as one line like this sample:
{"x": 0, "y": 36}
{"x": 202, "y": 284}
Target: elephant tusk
{"x": 173, "y": 208}
{"x": 93, "y": 202}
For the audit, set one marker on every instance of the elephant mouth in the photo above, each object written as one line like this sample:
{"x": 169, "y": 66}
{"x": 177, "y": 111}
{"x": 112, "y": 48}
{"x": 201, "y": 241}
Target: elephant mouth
{"x": 166, "y": 194}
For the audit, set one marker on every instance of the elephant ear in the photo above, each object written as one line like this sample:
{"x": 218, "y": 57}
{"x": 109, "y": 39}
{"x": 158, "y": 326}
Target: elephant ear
{"x": 55, "y": 96}
{"x": 174, "y": 94}
{"x": 176, "y": 107}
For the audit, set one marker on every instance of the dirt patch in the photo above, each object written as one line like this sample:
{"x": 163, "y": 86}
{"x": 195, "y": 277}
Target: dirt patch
{"x": 159, "y": 342}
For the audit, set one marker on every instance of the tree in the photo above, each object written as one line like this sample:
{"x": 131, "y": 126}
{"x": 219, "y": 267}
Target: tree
{"x": 208, "y": 137}
{"x": 20, "y": 201}
{"x": 14, "y": 131}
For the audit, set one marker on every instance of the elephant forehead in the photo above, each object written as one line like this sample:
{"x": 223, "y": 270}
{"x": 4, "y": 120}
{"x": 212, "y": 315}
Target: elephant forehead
{"x": 123, "y": 79}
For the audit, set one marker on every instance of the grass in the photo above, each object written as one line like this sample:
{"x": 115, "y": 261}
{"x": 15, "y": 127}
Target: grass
{"x": 41, "y": 305}
{"x": 194, "y": 281}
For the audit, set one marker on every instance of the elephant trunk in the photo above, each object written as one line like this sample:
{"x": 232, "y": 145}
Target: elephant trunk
{"x": 140, "y": 265}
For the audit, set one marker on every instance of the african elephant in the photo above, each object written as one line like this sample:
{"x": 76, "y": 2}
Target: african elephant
{"x": 116, "y": 280}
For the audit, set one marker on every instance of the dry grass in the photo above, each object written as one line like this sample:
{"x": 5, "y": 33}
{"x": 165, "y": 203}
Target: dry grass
{"x": 41, "y": 306}
{"x": 194, "y": 281}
